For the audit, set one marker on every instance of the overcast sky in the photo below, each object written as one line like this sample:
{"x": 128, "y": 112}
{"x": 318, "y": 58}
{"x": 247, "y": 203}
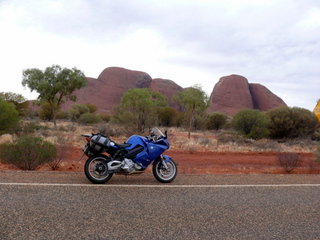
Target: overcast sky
{"x": 272, "y": 42}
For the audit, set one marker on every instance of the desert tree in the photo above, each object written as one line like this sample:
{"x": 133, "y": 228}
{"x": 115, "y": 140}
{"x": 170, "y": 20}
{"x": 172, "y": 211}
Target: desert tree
{"x": 54, "y": 85}
{"x": 194, "y": 100}
{"x": 140, "y": 104}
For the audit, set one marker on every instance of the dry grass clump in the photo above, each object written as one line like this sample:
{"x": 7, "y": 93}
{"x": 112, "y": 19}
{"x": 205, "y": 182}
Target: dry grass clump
{"x": 289, "y": 161}
{"x": 62, "y": 153}
{"x": 266, "y": 145}
{"x": 299, "y": 145}
{"x": 6, "y": 138}
{"x": 231, "y": 141}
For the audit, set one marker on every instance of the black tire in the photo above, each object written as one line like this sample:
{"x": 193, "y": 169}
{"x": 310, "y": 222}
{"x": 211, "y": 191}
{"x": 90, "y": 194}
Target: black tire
{"x": 165, "y": 175}
{"x": 96, "y": 169}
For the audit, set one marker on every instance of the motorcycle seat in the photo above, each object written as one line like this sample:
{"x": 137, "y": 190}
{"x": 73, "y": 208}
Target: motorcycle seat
{"x": 123, "y": 145}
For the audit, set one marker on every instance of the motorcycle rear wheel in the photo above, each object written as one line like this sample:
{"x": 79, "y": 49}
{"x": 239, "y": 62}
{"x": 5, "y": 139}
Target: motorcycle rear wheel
{"x": 162, "y": 174}
{"x": 96, "y": 169}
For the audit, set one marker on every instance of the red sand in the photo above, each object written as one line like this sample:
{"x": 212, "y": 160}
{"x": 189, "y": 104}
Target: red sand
{"x": 206, "y": 163}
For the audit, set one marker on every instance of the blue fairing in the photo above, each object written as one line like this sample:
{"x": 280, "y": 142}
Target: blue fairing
{"x": 151, "y": 151}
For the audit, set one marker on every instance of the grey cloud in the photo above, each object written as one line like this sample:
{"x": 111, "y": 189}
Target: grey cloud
{"x": 266, "y": 41}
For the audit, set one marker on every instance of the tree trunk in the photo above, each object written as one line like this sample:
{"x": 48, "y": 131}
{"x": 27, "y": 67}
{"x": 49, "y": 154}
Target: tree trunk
{"x": 54, "y": 116}
{"x": 190, "y": 123}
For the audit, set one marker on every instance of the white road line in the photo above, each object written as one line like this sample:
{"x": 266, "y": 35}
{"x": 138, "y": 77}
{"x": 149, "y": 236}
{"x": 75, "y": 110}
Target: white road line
{"x": 158, "y": 186}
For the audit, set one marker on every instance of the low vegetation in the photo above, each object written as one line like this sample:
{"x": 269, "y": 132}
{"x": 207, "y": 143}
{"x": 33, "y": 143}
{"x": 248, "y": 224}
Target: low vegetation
{"x": 67, "y": 137}
{"x": 28, "y": 152}
{"x": 191, "y": 129}
{"x": 289, "y": 161}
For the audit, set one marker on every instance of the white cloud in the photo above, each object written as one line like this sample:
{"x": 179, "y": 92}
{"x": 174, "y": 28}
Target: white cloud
{"x": 275, "y": 43}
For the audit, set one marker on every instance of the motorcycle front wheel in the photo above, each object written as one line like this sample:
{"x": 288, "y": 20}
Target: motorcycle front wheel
{"x": 96, "y": 169}
{"x": 163, "y": 174}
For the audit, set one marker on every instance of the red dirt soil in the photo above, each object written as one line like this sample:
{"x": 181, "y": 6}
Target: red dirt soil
{"x": 205, "y": 163}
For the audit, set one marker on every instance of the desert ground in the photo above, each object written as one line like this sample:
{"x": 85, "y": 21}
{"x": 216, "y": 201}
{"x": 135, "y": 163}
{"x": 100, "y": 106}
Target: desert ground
{"x": 204, "y": 163}
{"x": 202, "y": 154}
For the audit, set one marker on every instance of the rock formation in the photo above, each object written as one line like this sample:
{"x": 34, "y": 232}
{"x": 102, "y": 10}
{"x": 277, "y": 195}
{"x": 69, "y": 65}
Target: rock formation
{"x": 234, "y": 93}
{"x": 167, "y": 88}
{"x": 106, "y": 91}
{"x": 263, "y": 99}
{"x": 230, "y": 95}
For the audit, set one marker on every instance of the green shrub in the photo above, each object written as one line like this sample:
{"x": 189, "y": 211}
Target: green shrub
{"x": 166, "y": 116}
{"x": 316, "y": 134}
{"x": 317, "y": 153}
{"x": 26, "y": 128}
{"x": 110, "y": 130}
{"x": 293, "y": 122}
{"x": 9, "y": 116}
{"x": 251, "y": 123}
{"x": 76, "y": 110}
{"x": 216, "y": 121}
{"x": 27, "y": 152}
{"x": 92, "y": 108}
{"x": 45, "y": 113}
{"x": 105, "y": 117}
{"x": 230, "y": 137}
{"x": 88, "y": 118}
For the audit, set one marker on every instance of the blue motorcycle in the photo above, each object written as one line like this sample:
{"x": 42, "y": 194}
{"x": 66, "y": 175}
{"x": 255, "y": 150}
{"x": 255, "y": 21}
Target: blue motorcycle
{"x": 106, "y": 157}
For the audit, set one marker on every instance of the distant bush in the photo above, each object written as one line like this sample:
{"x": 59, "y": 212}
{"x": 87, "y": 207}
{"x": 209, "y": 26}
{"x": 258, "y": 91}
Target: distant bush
{"x": 27, "y": 152}
{"x": 9, "y": 116}
{"x": 27, "y": 128}
{"x": 108, "y": 129}
{"x": 251, "y": 123}
{"x": 293, "y": 122}
{"x": 45, "y": 113}
{"x": 266, "y": 145}
{"x": 167, "y": 116}
{"x": 88, "y": 118}
{"x": 105, "y": 117}
{"x": 289, "y": 161}
{"x": 317, "y": 153}
{"x": 92, "y": 108}
{"x": 76, "y": 110}
{"x": 316, "y": 134}
{"x": 230, "y": 137}
{"x": 216, "y": 121}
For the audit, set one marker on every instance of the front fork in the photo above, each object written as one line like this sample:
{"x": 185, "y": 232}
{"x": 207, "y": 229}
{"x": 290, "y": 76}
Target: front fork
{"x": 164, "y": 161}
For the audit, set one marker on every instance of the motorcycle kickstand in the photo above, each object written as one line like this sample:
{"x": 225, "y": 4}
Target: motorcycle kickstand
{"x": 81, "y": 157}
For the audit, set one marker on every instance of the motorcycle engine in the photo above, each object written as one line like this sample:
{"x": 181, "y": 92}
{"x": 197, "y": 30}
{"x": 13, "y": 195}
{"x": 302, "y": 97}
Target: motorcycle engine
{"x": 129, "y": 166}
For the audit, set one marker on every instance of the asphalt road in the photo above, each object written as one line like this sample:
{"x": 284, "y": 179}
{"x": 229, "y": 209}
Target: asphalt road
{"x": 45, "y": 205}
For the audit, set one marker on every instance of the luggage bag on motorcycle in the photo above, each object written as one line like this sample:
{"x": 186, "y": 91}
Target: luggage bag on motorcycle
{"x": 99, "y": 143}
